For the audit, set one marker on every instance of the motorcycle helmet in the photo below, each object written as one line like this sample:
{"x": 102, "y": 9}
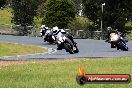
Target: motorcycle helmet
{"x": 55, "y": 30}
{"x": 109, "y": 29}
{"x": 42, "y": 26}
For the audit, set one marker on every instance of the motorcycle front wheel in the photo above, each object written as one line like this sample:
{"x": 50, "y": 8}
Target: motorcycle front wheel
{"x": 68, "y": 48}
{"x": 123, "y": 46}
{"x": 76, "y": 50}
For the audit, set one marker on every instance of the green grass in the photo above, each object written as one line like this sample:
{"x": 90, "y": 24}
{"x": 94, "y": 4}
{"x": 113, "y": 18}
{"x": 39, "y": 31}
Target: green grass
{"x": 62, "y": 73}
{"x": 11, "y": 49}
{"x": 6, "y": 16}
{"x": 5, "y": 22}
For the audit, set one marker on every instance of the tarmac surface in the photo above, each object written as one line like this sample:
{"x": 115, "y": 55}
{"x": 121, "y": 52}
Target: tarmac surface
{"x": 87, "y": 48}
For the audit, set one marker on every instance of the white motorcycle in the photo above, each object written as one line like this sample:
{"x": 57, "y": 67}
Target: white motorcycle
{"x": 65, "y": 43}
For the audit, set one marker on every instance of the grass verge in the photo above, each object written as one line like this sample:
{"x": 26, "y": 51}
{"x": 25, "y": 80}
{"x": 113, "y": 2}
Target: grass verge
{"x": 62, "y": 73}
{"x": 13, "y": 49}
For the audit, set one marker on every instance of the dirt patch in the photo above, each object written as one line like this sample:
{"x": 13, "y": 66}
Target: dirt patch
{"x": 9, "y": 63}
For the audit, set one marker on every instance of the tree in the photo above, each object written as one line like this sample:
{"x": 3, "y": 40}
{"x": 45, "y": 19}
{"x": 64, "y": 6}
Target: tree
{"x": 77, "y": 4}
{"x": 115, "y": 12}
{"x": 81, "y": 24}
{"x": 2, "y": 3}
{"x": 41, "y": 9}
{"x": 59, "y": 13}
{"x": 24, "y": 12}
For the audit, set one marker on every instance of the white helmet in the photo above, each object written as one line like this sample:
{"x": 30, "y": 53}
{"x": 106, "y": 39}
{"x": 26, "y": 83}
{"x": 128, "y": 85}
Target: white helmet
{"x": 55, "y": 30}
{"x": 42, "y": 26}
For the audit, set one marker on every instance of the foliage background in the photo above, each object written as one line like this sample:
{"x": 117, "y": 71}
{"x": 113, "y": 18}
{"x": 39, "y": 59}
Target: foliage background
{"x": 59, "y": 13}
{"x": 77, "y": 23}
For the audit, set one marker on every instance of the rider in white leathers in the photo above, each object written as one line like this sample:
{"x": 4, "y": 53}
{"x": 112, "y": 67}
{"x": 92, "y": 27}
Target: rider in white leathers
{"x": 59, "y": 32}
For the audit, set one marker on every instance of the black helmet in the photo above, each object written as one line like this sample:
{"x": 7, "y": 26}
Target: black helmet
{"x": 109, "y": 29}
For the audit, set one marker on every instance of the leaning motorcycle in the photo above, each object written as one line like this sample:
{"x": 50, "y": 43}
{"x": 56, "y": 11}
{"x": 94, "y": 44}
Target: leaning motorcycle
{"x": 48, "y": 37}
{"x": 118, "y": 42}
{"x": 65, "y": 43}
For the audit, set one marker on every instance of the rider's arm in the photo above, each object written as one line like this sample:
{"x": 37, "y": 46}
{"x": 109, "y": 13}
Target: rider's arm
{"x": 62, "y": 31}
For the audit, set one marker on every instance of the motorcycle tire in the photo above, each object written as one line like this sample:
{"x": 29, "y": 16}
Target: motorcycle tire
{"x": 123, "y": 46}
{"x": 76, "y": 49}
{"x": 117, "y": 47}
{"x": 68, "y": 48}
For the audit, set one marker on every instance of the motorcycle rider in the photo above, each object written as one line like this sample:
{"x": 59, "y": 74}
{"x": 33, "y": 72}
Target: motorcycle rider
{"x": 58, "y": 32}
{"x": 43, "y": 30}
{"x": 109, "y": 31}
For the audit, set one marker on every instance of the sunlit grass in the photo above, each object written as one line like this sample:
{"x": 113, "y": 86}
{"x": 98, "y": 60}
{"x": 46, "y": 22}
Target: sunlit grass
{"x": 62, "y": 73}
{"x": 11, "y": 49}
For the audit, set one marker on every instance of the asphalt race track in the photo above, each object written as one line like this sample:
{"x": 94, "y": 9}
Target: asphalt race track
{"x": 87, "y": 47}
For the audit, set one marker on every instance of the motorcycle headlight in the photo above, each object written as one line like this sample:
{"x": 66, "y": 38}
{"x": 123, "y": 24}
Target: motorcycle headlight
{"x": 61, "y": 39}
{"x": 64, "y": 38}
{"x": 114, "y": 38}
